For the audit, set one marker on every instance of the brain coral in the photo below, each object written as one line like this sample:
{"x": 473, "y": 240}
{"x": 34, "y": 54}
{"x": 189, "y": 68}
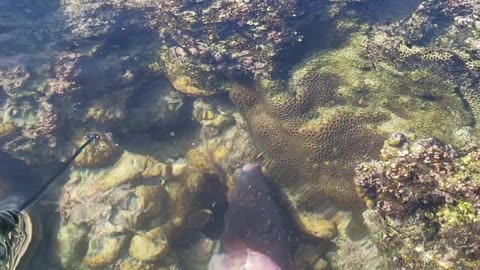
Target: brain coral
{"x": 315, "y": 155}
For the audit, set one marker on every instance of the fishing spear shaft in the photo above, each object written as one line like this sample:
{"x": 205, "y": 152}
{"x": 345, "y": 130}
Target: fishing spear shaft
{"x": 90, "y": 138}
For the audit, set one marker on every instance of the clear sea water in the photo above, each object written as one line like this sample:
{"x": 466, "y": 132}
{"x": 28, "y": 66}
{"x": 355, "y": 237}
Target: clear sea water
{"x": 154, "y": 79}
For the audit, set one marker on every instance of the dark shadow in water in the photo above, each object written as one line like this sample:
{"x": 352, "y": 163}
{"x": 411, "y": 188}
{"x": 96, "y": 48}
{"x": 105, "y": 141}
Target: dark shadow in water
{"x": 123, "y": 50}
{"x": 384, "y": 12}
{"x": 214, "y": 197}
{"x": 17, "y": 181}
{"x": 45, "y": 254}
{"x": 466, "y": 105}
{"x": 32, "y": 8}
{"x": 321, "y": 34}
{"x": 23, "y": 34}
{"x": 3, "y": 96}
{"x": 183, "y": 126}
{"x": 381, "y": 12}
{"x": 178, "y": 136}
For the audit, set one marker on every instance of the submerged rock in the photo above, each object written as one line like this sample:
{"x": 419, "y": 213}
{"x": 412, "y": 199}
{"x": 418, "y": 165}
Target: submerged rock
{"x": 130, "y": 167}
{"x": 317, "y": 226}
{"x": 99, "y": 154}
{"x": 149, "y": 246}
{"x": 136, "y": 195}
{"x": 103, "y": 251}
{"x": 198, "y": 255}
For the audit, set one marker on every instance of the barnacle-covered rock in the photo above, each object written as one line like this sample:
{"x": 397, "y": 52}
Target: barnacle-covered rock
{"x": 40, "y": 85}
{"x": 195, "y": 61}
{"x": 423, "y": 194}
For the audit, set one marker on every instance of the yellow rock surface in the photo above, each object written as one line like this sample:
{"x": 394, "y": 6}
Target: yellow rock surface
{"x": 149, "y": 246}
{"x": 128, "y": 168}
{"x": 98, "y": 154}
{"x": 154, "y": 168}
{"x": 103, "y": 251}
{"x": 7, "y": 129}
{"x": 219, "y": 154}
{"x": 127, "y": 265}
{"x": 183, "y": 85}
{"x": 152, "y": 199}
{"x": 317, "y": 226}
{"x": 198, "y": 161}
{"x": 69, "y": 242}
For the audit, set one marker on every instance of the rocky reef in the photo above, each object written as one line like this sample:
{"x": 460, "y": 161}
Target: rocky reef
{"x": 425, "y": 197}
{"x": 185, "y": 92}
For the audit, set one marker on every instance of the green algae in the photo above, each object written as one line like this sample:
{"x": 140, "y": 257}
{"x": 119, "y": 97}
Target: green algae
{"x": 420, "y": 101}
{"x": 457, "y": 215}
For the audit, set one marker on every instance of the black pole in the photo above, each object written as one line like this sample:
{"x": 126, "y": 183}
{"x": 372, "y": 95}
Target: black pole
{"x": 90, "y": 138}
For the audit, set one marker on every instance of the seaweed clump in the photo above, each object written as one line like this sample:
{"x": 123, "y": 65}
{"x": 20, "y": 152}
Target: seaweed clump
{"x": 426, "y": 197}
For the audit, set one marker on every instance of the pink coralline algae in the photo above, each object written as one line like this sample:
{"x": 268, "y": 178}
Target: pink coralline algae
{"x": 426, "y": 201}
